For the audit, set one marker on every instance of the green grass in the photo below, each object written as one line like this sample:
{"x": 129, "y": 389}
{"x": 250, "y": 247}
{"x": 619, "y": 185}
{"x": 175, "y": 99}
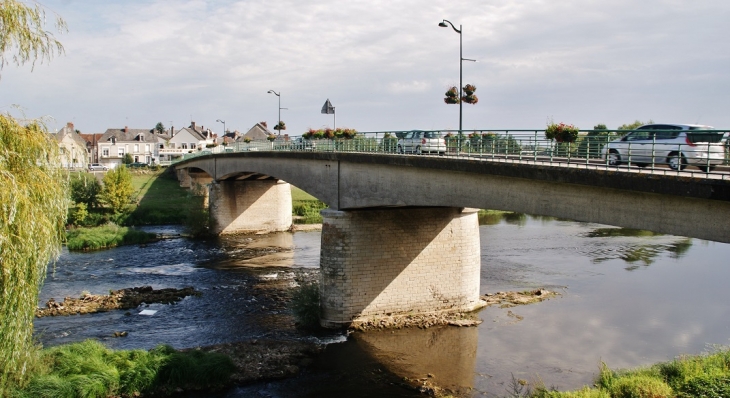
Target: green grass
{"x": 688, "y": 376}
{"x": 90, "y": 370}
{"x": 105, "y": 236}
{"x": 306, "y": 207}
{"x": 159, "y": 199}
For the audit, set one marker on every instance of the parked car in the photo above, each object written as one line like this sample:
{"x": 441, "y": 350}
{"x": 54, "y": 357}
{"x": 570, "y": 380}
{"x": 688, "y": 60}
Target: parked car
{"x": 418, "y": 141}
{"x": 676, "y": 145}
{"x": 137, "y": 165}
{"x": 97, "y": 167}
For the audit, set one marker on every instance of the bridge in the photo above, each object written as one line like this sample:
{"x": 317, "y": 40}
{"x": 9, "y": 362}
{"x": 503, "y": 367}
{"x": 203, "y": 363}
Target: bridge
{"x": 401, "y": 233}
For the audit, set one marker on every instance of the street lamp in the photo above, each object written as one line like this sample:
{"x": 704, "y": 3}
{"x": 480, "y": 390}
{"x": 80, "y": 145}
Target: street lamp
{"x": 224, "y": 125}
{"x": 461, "y": 64}
{"x": 280, "y": 108}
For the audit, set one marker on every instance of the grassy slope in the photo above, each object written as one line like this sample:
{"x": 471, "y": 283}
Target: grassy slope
{"x": 160, "y": 199}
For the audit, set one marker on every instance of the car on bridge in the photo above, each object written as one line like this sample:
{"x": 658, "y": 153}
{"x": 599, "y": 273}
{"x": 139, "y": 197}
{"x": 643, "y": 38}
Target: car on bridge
{"x": 418, "y": 141}
{"x": 676, "y": 145}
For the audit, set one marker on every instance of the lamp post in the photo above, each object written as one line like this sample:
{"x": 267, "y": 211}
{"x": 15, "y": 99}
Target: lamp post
{"x": 461, "y": 64}
{"x": 224, "y": 125}
{"x": 280, "y": 108}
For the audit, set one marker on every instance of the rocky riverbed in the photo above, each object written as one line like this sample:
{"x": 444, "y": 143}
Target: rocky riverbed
{"x": 116, "y": 300}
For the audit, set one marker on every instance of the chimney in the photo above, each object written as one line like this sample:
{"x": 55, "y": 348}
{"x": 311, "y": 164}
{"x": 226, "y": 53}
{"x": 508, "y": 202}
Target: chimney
{"x": 126, "y": 129}
{"x": 192, "y": 125}
{"x": 70, "y": 126}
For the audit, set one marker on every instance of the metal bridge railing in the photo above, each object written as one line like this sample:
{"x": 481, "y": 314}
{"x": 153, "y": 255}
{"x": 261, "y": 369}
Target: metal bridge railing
{"x": 590, "y": 150}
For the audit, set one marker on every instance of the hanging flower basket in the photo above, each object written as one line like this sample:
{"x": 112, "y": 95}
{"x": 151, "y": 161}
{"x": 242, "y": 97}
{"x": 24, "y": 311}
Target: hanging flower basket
{"x": 561, "y": 132}
{"x": 246, "y": 140}
{"x": 452, "y": 96}
{"x": 271, "y": 137}
{"x": 280, "y": 126}
{"x": 469, "y": 89}
{"x": 470, "y": 99}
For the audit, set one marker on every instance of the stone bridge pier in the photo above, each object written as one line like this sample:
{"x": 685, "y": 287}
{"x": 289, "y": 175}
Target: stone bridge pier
{"x": 250, "y": 206}
{"x": 398, "y": 261}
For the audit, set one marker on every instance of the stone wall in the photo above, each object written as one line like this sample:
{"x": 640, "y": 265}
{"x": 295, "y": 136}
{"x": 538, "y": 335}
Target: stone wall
{"x": 398, "y": 261}
{"x": 250, "y": 206}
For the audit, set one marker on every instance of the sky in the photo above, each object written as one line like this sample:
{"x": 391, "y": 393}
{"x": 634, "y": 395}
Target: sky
{"x": 384, "y": 65}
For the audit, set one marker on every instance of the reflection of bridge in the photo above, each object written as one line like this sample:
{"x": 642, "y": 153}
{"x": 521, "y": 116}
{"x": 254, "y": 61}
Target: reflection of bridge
{"x": 401, "y": 234}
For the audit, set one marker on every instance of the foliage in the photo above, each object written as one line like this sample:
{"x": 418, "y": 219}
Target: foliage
{"x": 329, "y": 133}
{"x": 561, "y": 132}
{"x": 88, "y": 369}
{"x": 246, "y": 139}
{"x": 33, "y": 208}
{"x": 77, "y": 214}
{"x": 159, "y": 128}
{"x": 22, "y": 30}
{"x": 305, "y": 305}
{"x": 451, "y": 96}
{"x": 634, "y": 125}
{"x": 127, "y": 159}
{"x": 306, "y": 207}
{"x": 600, "y": 126}
{"x": 280, "y": 126}
{"x": 117, "y": 189}
{"x": 492, "y": 143}
{"x": 105, "y": 236}
{"x": 197, "y": 222}
{"x": 271, "y": 137}
{"x": 85, "y": 188}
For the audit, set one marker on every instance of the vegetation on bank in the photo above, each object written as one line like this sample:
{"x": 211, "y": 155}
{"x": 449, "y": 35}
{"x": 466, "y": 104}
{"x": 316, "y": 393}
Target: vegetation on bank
{"x": 89, "y": 369}
{"x": 685, "y": 377}
{"x": 306, "y": 207}
{"x": 105, "y": 237}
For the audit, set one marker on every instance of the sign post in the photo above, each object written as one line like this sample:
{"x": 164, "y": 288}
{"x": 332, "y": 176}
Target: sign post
{"x": 328, "y": 109}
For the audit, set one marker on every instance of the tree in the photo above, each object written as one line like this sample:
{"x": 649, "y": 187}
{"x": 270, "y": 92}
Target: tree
{"x": 127, "y": 159}
{"x": 159, "y": 128}
{"x": 85, "y": 189}
{"x": 634, "y": 125}
{"x": 22, "y": 30}
{"x": 34, "y": 195}
{"x": 34, "y": 202}
{"x": 117, "y": 190}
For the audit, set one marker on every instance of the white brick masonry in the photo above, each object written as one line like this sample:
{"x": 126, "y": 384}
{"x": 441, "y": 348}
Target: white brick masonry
{"x": 250, "y": 206}
{"x": 398, "y": 261}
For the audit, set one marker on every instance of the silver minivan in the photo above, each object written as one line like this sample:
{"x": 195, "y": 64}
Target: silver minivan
{"x": 418, "y": 142}
{"x": 676, "y": 145}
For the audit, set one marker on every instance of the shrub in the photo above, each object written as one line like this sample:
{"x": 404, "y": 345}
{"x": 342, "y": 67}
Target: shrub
{"x": 85, "y": 188}
{"x": 640, "y": 386}
{"x": 305, "y": 305}
{"x": 104, "y": 237}
{"x": 706, "y": 386}
{"x": 561, "y": 132}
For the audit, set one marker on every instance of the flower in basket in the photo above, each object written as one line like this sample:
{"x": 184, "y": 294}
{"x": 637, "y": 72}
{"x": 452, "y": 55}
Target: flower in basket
{"x": 469, "y": 89}
{"x": 452, "y": 96}
{"x": 246, "y": 139}
{"x": 561, "y": 132}
{"x": 329, "y": 133}
{"x": 271, "y": 137}
{"x": 280, "y": 126}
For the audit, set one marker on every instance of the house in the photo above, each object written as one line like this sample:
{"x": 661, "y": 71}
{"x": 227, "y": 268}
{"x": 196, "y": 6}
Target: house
{"x": 258, "y": 132}
{"x": 187, "y": 140}
{"x": 74, "y": 154}
{"x": 141, "y": 144}
{"x": 92, "y": 147}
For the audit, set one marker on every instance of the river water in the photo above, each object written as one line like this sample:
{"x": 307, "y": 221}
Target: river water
{"x": 628, "y": 298}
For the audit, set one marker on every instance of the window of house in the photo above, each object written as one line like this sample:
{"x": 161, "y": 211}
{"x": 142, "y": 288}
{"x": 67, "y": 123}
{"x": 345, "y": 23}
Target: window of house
{"x": 184, "y": 146}
{"x": 146, "y": 147}
{"x": 193, "y": 145}
{"x": 121, "y": 152}
{"x": 105, "y": 152}
{"x": 136, "y": 148}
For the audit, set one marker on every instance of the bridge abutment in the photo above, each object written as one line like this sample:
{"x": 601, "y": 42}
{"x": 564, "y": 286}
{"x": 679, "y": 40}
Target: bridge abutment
{"x": 398, "y": 261}
{"x": 258, "y": 206}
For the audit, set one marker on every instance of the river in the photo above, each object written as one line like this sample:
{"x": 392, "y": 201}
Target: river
{"x": 628, "y": 298}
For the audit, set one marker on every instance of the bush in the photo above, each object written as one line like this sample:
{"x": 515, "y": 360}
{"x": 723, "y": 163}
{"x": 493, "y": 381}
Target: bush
{"x": 640, "y": 386}
{"x": 105, "y": 237}
{"x": 305, "y": 304}
{"x": 85, "y": 188}
{"x": 89, "y": 369}
{"x": 706, "y": 386}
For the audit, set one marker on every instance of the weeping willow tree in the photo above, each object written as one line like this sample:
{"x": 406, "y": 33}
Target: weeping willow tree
{"x": 33, "y": 194}
{"x": 22, "y": 33}
{"x": 33, "y": 206}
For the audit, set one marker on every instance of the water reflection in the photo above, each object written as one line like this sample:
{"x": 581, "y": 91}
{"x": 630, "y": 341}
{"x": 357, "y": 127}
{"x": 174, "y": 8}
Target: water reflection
{"x": 643, "y": 250}
{"x": 444, "y": 355}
